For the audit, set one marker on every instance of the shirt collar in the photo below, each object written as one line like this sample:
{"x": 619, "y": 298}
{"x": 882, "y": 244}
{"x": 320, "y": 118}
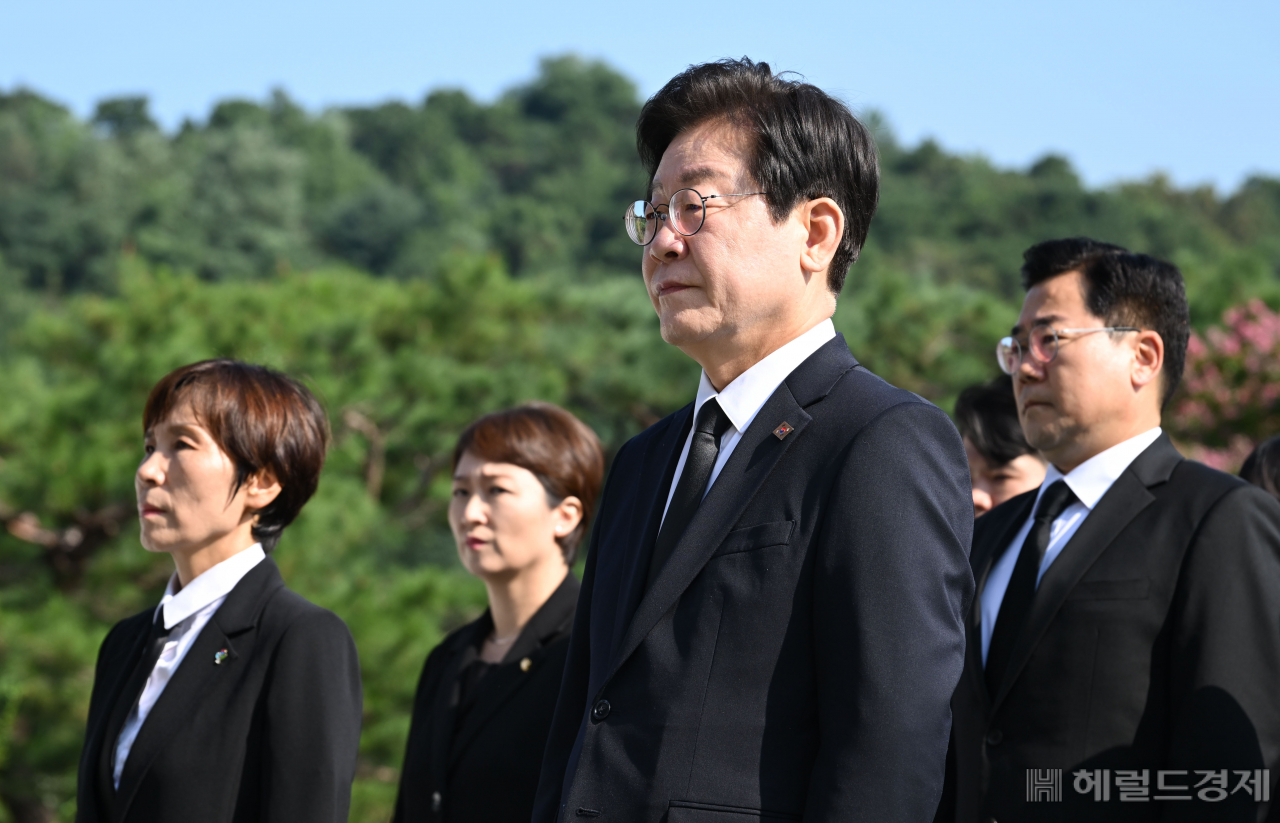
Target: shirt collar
{"x": 744, "y": 397}
{"x": 213, "y": 584}
{"x": 1092, "y": 478}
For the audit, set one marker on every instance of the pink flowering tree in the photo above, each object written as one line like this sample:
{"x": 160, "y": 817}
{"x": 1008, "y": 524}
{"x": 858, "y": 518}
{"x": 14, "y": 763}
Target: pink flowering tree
{"x": 1230, "y": 395}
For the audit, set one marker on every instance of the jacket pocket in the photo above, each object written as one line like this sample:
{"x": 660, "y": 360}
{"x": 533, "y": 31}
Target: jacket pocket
{"x": 1137, "y": 589}
{"x": 750, "y": 538}
{"x": 687, "y": 811}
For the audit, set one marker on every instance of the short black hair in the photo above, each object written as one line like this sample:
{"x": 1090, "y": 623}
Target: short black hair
{"x": 1124, "y": 289}
{"x": 1262, "y": 467}
{"x": 805, "y": 143}
{"x": 987, "y": 414}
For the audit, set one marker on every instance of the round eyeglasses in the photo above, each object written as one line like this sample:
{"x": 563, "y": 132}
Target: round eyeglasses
{"x": 1042, "y": 342}
{"x": 685, "y": 214}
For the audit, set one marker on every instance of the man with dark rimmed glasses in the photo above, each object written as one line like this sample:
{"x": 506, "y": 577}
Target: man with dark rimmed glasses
{"x": 1124, "y": 644}
{"x": 771, "y": 619}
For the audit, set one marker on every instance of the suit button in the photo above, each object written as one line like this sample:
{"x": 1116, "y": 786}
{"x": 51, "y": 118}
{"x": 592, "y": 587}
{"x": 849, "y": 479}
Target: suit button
{"x": 994, "y": 737}
{"x": 600, "y": 710}
{"x": 436, "y": 801}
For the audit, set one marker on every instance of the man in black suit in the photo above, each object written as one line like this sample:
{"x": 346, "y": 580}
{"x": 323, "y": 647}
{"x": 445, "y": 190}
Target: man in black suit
{"x": 1127, "y": 625}
{"x": 771, "y": 617}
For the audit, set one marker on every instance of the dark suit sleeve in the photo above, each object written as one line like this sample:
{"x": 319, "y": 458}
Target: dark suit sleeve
{"x": 892, "y": 586}
{"x": 313, "y": 710}
{"x": 107, "y": 654}
{"x": 572, "y": 702}
{"x": 1225, "y": 653}
{"x": 418, "y": 725}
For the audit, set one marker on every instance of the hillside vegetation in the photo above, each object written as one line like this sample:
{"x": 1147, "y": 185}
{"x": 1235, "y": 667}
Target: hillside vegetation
{"x": 419, "y": 264}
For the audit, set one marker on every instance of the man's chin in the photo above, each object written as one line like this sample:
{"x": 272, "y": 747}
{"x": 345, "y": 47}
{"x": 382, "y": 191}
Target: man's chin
{"x": 1047, "y": 438}
{"x": 680, "y": 331}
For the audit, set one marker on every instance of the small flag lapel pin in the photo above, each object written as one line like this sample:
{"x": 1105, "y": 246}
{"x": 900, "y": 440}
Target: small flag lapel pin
{"x": 783, "y": 430}
{"x": 220, "y": 656}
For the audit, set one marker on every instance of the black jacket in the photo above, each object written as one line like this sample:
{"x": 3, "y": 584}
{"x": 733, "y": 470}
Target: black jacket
{"x": 268, "y": 734}
{"x": 1153, "y": 643}
{"x": 486, "y": 767}
{"x": 797, "y": 653}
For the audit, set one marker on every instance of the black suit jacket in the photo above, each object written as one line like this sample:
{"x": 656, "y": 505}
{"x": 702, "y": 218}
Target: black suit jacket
{"x": 268, "y": 734}
{"x": 486, "y": 769}
{"x": 1153, "y": 643}
{"x": 797, "y": 653}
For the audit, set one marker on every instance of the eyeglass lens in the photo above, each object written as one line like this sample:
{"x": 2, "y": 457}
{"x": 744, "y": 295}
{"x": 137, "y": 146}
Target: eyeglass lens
{"x": 686, "y": 211}
{"x": 642, "y": 222}
{"x": 1042, "y": 340}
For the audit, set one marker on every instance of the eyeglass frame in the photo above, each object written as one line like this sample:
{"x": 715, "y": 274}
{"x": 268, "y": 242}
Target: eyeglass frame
{"x": 665, "y": 217}
{"x": 1029, "y": 349}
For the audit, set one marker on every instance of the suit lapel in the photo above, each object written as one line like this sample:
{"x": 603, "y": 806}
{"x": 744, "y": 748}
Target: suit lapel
{"x": 497, "y": 687}
{"x": 651, "y": 498}
{"x": 553, "y": 619}
{"x": 750, "y": 464}
{"x": 198, "y": 672}
{"x": 986, "y": 555}
{"x": 443, "y": 715}
{"x": 103, "y": 737}
{"x": 1126, "y": 498}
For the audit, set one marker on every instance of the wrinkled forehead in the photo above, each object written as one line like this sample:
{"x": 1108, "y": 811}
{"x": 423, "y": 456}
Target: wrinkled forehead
{"x": 711, "y": 156}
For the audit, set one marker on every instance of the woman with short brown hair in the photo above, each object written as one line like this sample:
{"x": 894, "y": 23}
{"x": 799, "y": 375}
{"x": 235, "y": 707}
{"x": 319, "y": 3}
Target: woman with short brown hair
{"x": 525, "y": 483}
{"x": 235, "y": 699}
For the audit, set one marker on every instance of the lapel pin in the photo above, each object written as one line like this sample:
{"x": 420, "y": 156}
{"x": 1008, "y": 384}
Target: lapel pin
{"x": 526, "y": 664}
{"x": 783, "y": 430}
{"x": 220, "y": 656}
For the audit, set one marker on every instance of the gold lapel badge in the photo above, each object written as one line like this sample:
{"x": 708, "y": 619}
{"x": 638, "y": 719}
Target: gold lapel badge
{"x": 526, "y": 664}
{"x": 220, "y": 656}
{"x": 783, "y": 430}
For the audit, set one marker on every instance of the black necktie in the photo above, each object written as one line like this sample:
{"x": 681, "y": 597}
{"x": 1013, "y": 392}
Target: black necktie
{"x": 1022, "y": 584}
{"x": 692, "y": 486}
{"x": 125, "y": 702}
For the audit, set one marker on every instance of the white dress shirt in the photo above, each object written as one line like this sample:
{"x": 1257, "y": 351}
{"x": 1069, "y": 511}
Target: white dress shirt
{"x": 742, "y": 399}
{"x": 185, "y": 614}
{"x": 1090, "y": 481}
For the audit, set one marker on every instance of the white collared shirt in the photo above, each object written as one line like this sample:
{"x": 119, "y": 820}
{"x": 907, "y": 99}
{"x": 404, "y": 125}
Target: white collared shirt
{"x": 742, "y": 399}
{"x": 1090, "y": 481}
{"x": 185, "y": 614}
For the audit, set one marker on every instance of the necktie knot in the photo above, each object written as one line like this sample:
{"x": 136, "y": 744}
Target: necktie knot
{"x": 695, "y": 478}
{"x": 712, "y": 420}
{"x": 1056, "y": 499}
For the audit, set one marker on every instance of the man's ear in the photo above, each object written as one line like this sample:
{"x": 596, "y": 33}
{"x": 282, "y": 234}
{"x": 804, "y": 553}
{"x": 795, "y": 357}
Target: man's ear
{"x": 260, "y": 490}
{"x": 1148, "y": 358}
{"x": 824, "y": 222}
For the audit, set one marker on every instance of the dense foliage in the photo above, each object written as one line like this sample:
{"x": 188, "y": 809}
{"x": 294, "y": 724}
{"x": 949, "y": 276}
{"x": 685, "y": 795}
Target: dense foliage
{"x": 418, "y": 265}
{"x": 1230, "y": 397}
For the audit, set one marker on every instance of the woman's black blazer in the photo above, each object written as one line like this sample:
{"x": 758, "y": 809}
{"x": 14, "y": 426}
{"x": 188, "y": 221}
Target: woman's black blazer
{"x": 486, "y": 769}
{"x": 270, "y": 733}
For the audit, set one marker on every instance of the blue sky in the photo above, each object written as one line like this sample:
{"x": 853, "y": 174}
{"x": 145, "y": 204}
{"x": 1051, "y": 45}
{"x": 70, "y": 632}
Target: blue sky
{"x": 1123, "y": 88}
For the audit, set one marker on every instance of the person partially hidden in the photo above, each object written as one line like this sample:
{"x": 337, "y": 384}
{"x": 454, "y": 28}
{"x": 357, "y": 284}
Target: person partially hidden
{"x": 525, "y": 482}
{"x": 1001, "y": 462}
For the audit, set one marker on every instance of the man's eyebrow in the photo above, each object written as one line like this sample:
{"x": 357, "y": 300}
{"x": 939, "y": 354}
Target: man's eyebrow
{"x": 700, "y": 174}
{"x": 1046, "y": 320}
{"x": 690, "y": 178}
